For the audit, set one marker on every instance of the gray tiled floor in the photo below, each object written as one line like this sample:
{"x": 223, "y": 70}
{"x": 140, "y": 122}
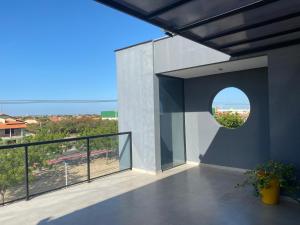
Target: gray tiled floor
{"x": 198, "y": 195}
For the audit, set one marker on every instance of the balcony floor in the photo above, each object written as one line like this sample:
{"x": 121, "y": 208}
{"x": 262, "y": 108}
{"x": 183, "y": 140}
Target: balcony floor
{"x": 184, "y": 195}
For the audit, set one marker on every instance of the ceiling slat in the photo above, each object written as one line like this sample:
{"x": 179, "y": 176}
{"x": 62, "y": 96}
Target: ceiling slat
{"x": 264, "y": 37}
{"x": 266, "y": 47}
{"x": 167, "y": 8}
{"x": 226, "y": 14}
{"x": 251, "y": 26}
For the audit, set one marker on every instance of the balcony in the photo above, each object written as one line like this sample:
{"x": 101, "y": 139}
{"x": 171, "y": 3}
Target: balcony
{"x": 166, "y": 90}
{"x": 183, "y": 195}
{"x": 35, "y": 168}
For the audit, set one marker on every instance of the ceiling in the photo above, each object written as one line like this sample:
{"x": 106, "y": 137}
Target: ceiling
{"x": 235, "y": 27}
{"x": 220, "y": 68}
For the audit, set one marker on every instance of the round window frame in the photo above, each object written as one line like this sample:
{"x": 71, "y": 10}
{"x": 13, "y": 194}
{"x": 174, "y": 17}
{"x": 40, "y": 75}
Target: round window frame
{"x": 211, "y": 107}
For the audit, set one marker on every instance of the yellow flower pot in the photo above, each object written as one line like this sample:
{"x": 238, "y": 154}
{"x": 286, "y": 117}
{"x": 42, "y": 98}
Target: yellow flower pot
{"x": 270, "y": 195}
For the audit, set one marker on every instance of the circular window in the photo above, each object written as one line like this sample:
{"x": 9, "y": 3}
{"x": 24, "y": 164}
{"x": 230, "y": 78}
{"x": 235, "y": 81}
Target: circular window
{"x": 231, "y": 107}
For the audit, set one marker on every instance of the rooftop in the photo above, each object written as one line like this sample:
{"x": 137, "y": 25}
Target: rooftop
{"x": 186, "y": 194}
{"x": 9, "y": 122}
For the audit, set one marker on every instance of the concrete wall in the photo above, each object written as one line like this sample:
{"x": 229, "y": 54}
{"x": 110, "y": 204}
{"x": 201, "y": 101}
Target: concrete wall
{"x": 270, "y": 132}
{"x": 284, "y": 104}
{"x": 178, "y": 52}
{"x": 282, "y": 87}
{"x": 207, "y": 141}
{"x": 137, "y": 104}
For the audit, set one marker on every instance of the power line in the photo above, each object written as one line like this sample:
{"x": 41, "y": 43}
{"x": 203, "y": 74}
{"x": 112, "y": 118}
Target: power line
{"x": 64, "y": 101}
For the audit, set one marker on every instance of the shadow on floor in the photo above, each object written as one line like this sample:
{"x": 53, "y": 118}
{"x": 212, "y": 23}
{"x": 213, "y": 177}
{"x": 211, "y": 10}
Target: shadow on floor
{"x": 196, "y": 196}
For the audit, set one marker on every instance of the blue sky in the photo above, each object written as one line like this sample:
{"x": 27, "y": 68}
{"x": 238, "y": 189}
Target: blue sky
{"x": 54, "y": 49}
{"x": 64, "y": 49}
{"x": 231, "y": 97}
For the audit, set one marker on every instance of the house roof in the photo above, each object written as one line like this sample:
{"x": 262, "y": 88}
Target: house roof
{"x": 11, "y": 122}
{"x": 12, "y": 126}
{"x": 235, "y": 27}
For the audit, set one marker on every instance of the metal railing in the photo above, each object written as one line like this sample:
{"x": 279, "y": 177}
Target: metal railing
{"x": 55, "y": 164}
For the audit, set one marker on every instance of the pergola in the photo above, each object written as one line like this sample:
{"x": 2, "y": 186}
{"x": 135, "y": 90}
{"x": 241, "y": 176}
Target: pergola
{"x": 235, "y": 27}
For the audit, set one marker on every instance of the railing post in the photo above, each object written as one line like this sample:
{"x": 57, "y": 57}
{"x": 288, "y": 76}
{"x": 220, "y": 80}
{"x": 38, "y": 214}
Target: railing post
{"x": 88, "y": 159}
{"x": 26, "y": 172}
{"x": 130, "y": 138}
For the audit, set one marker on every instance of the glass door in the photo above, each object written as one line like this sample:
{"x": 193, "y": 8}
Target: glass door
{"x": 172, "y": 135}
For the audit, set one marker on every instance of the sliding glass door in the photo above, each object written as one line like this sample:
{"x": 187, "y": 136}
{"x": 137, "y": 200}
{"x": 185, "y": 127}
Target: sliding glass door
{"x": 171, "y": 97}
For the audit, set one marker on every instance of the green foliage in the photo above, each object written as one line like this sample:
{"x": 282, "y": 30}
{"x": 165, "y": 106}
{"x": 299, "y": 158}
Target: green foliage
{"x": 261, "y": 176}
{"x": 71, "y": 127}
{"x": 229, "y": 120}
{"x": 12, "y": 161}
{"x": 213, "y": 111}
{"x": 68, "y": 127}
{"x": 11, "y": 169}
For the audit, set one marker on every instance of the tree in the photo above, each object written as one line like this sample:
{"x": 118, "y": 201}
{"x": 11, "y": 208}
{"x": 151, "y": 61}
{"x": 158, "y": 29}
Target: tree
{"x": 229, "y": 119}
{"x": 11, "y": 170}
{"x": 12, "y": 160}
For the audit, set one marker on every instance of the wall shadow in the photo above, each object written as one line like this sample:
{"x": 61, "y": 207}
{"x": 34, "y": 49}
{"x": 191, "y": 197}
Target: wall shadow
{"x": 207, "y": 141}
{"x": 198, "y": 195}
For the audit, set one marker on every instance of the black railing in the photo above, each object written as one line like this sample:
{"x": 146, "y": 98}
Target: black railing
{"x": 31, "y": 169}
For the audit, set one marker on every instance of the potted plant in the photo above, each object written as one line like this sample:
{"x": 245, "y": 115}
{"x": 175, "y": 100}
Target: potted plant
{"x": 272, "y": 178}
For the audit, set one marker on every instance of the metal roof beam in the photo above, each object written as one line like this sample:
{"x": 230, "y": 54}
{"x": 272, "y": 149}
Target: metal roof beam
{"x": 251, "y": 26}
{"x": 122, "y": 8}
{"x": 167, "y": 8}
{"x": 266, "y": 48}
{"x": 136, "y": 14}
{"x": 261, "y": 38}
{"x": 241, "y": 9}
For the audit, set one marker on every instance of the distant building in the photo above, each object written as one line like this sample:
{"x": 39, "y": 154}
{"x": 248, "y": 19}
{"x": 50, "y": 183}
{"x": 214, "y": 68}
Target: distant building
{"x": 11, "y": 128}
{"x": 56, "y": 119}
{"x": 109, "y": 115}
{"x": 31, "y": 121}
{"x": 243, "y": 113}
{"x": 231, "y": 110}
